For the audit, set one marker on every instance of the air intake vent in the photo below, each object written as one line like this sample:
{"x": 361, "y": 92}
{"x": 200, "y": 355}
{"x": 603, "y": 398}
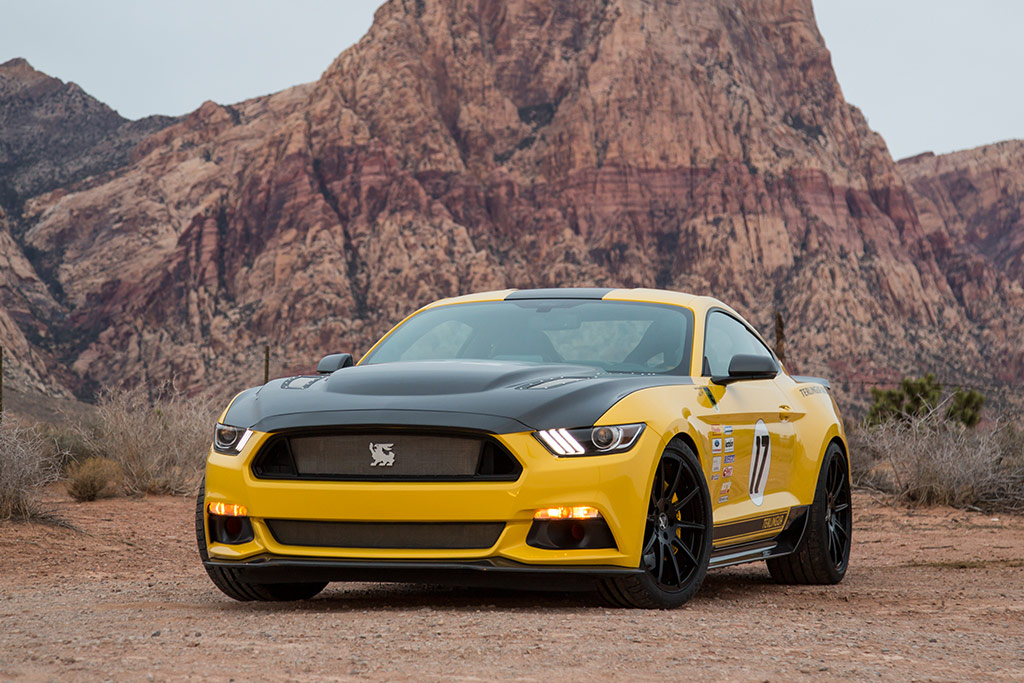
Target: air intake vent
{"x": 385, "y": 456}
{"x": 396, "y": 535}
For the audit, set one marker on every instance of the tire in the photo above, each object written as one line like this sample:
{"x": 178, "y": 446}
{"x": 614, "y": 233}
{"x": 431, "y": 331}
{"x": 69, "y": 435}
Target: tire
{"x": 824, "y": 552}
{"x": 677, "y": 537}
{"x": 229, "y": 581}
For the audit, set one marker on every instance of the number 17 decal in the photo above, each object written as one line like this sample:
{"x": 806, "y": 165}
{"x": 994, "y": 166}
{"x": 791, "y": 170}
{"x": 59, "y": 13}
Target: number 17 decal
{"x": 760, "y": 462}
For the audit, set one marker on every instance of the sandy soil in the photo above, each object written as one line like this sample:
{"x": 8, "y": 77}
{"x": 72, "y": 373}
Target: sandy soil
{"x": 931, "y": 595}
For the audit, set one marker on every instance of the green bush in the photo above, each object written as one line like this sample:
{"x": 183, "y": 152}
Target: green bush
{"x": 916, "y": 398}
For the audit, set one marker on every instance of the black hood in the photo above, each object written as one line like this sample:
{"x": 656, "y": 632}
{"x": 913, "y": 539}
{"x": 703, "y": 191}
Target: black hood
{"x": 494, "y": 396}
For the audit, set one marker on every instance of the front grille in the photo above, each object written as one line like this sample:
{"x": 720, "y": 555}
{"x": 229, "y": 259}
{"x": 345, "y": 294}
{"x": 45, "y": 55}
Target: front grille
{"x": 392, "y": 535}
{"x": 384, "y": 456}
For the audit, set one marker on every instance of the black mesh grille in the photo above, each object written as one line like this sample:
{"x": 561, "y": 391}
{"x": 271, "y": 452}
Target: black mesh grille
{"x": 397, "y": 535}
{"x": 384, "y": 456}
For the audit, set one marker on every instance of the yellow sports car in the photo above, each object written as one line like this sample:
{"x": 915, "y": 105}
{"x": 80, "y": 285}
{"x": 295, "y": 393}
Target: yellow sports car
{"x": 620, "y": 439}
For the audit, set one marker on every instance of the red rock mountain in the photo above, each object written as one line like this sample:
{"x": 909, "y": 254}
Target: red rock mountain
{"x": 461, "y": 146}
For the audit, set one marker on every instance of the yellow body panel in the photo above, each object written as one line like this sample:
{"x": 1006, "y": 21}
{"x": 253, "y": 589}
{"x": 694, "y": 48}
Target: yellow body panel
{"x": 617, "y": 485}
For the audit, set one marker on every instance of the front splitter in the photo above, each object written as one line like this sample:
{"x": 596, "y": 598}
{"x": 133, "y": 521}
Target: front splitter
{"x": 495, "y": 572}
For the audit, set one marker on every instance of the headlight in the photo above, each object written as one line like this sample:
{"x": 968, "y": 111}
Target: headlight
{"x": 230, "y": 440}
{"x": 600, "y": 440}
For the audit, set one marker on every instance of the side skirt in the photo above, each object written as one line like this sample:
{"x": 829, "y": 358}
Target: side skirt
{"x": 787, "y": 541}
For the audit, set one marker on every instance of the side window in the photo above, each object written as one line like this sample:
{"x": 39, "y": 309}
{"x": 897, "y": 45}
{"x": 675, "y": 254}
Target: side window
{"x": 724, "y": 338}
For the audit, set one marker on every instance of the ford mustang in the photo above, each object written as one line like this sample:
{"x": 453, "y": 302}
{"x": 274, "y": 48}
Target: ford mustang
{"x": 612, "y": 439}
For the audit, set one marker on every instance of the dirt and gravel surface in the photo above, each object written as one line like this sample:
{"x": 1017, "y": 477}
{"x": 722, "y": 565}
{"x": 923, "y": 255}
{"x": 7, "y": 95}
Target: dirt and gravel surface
{"x": 931, "y": 595}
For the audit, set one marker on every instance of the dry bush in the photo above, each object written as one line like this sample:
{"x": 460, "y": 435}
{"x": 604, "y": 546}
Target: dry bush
{"x": 26, "y": 463}
{"x": 160, "y": 444}
{"x": 934, "y": 461}
{"x": 94, "y": 478}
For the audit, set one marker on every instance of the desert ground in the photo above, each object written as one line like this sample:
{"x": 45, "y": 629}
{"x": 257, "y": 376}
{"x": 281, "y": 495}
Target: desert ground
{"x": 934, "y": 594}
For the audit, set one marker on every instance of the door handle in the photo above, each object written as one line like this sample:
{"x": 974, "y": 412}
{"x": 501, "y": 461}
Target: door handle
{"x": 784, "y": 413}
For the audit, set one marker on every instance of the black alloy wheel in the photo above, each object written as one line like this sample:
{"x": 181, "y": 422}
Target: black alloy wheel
{"x": 838, "y": 514}
{"x": 823, "y": 555}
{"x": 677, "y": 536}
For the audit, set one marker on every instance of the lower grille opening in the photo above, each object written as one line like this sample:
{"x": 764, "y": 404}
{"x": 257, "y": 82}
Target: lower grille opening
{"x": 392, "y": 535}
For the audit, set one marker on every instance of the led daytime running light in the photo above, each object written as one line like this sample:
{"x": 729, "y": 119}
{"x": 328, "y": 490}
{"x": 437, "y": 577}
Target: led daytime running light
{"x": 562, "y": 442}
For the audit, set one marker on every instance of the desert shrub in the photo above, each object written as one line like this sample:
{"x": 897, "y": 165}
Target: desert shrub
{"x": 67, "y": 441}
{"x": 93, "y": 478}
{"x": 26, "y": 464}
{"x": 159, "y": 443}
{"x": 933, "y": 460}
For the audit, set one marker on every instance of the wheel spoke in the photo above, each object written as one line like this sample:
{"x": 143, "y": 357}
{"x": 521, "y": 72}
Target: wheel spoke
{"x": 839, "y": 508}
{"x": 833, "y": 540}
{"x": 680, "y": 504}
{"x": 675, "y": 566}
{"x": 659, "y": 551}
{"x": 675, "y": 481}
{"x": 690, "y": 525}
{"x": 656, "y": 492}
{"x": 836, "y": 551}
{"x": 836, "y": 479}
{"x": 689, "y": 554}
{"x": 842, "y": 528}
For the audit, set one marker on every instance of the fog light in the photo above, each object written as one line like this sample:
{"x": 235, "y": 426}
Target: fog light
{"x": 229, "y": 529}
{"x": 233, "y": 526}
{"x": 577, "y": 512}
{"x": 570, "y": 534}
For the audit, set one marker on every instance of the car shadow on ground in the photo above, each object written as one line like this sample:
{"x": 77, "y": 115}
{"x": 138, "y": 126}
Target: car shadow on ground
{"x": 733, "y": 584}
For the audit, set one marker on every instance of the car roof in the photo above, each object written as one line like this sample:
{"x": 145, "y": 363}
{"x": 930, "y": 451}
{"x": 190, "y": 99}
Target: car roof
{"x": 655, "y": 296}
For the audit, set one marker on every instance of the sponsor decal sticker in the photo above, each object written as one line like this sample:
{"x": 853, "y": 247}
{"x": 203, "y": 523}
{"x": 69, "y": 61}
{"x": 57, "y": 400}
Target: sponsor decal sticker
{"x": 760, "y": 462}
{"x": 716, "y": 430}
{"x": 774, "y": 522}
{"x": 813, "y": 389}
{"x": 730, "y": 459}
{"x": 728, "y": 430}
{"x": 723, "y": 499}
{"x": 714, "y": 477}
{"x": 726, "y": 487}
{"x": 730, "y": 444}
{"x": 726, "y": 472}
{"x": 716, "y": 464}
{"x": 716, "y": 445}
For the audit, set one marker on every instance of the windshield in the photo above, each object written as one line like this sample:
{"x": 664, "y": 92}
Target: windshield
{"x": 617, "y": 336}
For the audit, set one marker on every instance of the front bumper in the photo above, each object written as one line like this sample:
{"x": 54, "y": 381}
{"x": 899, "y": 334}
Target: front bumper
{"x": 617, "y": 485}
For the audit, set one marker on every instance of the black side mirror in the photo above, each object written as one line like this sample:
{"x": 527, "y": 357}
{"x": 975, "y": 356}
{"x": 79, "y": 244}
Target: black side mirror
{"x": 335, "y": 361}
{"x": 748, "y": 366}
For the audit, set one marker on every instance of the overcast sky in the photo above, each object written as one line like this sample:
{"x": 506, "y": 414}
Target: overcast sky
{"x": 929, "y": 74}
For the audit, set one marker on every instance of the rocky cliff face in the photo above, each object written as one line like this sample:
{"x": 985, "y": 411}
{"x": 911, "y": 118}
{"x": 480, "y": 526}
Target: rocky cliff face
{"x": 53, "y": 133}
{"x": 972, "y": 201}
{"x": 970, "y": 205}
{"x": 463, "y": 146}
